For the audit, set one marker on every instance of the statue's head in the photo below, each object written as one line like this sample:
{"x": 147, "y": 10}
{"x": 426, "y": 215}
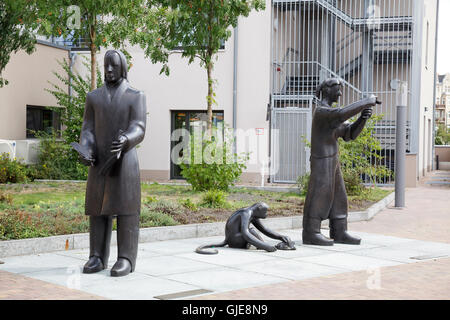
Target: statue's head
{"x": 260, "y": 210}
{"x": 330, "y": 90}
{"x": 115, "y": 66}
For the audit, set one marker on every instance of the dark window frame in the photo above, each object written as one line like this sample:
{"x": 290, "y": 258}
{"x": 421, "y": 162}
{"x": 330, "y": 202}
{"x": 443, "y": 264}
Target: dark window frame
{"x": 173, "y": 113}
{"x": 39, "y": 123}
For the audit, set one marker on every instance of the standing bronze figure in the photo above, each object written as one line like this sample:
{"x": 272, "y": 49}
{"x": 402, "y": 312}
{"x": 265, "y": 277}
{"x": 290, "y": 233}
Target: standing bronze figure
{"x": 114, "y": 123}
{"x": 326, "y": 197}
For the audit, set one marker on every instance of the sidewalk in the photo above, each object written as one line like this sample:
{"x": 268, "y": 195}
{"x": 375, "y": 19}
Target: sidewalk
{"x": 405, "y": 254}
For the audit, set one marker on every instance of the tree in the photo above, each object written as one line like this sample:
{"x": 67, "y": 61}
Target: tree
{"x": 201, "y": 26}
{"x": 101, "y": 23}
{"x": 17, "y": 21}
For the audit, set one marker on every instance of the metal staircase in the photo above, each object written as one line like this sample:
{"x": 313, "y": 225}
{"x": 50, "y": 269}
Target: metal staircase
{"x": 314, "y": 40}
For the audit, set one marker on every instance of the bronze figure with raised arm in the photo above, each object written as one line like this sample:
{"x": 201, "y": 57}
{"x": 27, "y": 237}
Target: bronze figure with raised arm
{"x": 326, "y": 197}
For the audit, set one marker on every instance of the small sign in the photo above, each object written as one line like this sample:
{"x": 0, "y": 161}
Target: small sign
{"x": 259, "y": 131}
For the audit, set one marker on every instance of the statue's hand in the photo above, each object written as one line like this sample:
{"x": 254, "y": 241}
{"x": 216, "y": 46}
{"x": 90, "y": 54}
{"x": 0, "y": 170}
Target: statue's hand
{"x": 286, "y": 239}
{"x": 119, "y": 144}
{"x": 366, "y": 113}
{"x": 87, "y": 162}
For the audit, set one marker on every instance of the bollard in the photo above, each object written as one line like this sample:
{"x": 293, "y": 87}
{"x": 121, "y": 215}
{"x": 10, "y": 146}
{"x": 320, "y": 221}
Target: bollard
{"x": 400, "y": 146}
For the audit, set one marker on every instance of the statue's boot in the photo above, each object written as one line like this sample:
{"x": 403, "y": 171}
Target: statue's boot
{"x": 93, "y": 265}
{"x": 338, "y": 232}
{"x": 121, "y": 268}
{"x": 99, "y": 240}
{"x": 311, "y": 233}
{"x": 127, "y": 245}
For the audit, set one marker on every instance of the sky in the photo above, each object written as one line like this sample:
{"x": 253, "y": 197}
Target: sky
{"x": 443, "y": 58}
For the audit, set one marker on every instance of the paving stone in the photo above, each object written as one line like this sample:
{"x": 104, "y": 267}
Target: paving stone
{"x": 223, "y": 279}
{"x": 348, "y": 261}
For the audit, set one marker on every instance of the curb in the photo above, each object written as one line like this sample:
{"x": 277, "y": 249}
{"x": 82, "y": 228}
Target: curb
{"x": 81, "y": 240}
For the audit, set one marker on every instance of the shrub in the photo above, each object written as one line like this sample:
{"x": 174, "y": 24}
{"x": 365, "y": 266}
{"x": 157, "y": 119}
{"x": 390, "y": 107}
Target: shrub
{"x": 17, "y": 224}
{"x": 362, "y": 157}
{"x": 12, "y": 171}
{"x": 214, "y": 199}
{"x": 6, "y": 198}
{"x": 218, "y": 169}
{"x": 302, "y": 183}
{"x": 150, "y": 218}
{"x": 189, "y": 204}
{"x": 442, "y": 136}
{"x": 164, "y": 206}
{"x": 150, "y": 199}
{"x": 57, "y": 160}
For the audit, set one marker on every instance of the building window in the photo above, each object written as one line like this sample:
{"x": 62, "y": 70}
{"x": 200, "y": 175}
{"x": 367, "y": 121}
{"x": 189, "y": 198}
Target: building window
{"x": 189, "y": 120}
{"x": 41, "y": 119}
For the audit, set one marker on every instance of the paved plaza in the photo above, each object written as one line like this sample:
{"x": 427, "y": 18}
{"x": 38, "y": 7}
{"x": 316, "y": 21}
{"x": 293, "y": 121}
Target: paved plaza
{"x": 404, "y": 254}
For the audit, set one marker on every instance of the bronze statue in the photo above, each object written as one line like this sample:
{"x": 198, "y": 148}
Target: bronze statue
{"x": 239, "y": 234}
{"x": 326, "y": 197}
{"x": 114, "y": 123}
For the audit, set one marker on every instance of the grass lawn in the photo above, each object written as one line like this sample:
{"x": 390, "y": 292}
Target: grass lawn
{"x": 44, "y": 209}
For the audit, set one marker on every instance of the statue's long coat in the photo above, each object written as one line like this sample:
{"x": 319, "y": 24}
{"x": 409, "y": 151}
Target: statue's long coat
{"x": 119, "y": 192}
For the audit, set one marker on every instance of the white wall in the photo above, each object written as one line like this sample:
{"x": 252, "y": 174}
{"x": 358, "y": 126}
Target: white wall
{"x": 427, "y": 87}
{"x": 28, "y": 77}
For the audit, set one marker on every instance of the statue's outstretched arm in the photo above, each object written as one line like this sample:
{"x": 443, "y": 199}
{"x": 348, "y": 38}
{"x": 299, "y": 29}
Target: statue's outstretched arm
{"x": 356, "y": 107}
{"x": 352, "y": 131}
{"x": 271, "y": 234}
{"x": 250, "y": 238}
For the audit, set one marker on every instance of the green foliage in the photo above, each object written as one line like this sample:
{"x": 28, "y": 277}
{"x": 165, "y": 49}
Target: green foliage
{"x": 209, "y": 163}
{"x": 6, "y": 198}
{"x": 17, "y": 21}
{"x": 151, "y": 218}
{"x": 71, "y": 107}
{"x": 106, "y": 23}
{"x": 200, "y": 27}
{"x": 362, "y": 157}
{"x": 442, "y": 136}
{"x": 12, "y": 171}
{"x": 188, "y": 204}
{"x": 56, "y": 160}
{"x": 214, "y": 199}
{"x": 164, "y": 206}
{"x": 302, "y": 183}
{"x": 150, "y": 199}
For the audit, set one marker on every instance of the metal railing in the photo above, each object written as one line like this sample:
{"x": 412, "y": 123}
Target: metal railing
{"x": 366, "y": 43}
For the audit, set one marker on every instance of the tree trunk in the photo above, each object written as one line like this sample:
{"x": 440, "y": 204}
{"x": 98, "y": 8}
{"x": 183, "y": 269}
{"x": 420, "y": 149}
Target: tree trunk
{"x": 93, "y": 56}
{"x": 210, "y": 97}
{"x": 93, "y": 67}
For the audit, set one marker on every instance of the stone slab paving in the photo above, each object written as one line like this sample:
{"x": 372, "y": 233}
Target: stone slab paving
{"x": 171, "y": 268}
{"x": 405, "y": 254}
{"x": 422, "y": 226}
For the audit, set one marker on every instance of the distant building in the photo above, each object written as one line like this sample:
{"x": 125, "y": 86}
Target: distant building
{"x": 442, "y": 116}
